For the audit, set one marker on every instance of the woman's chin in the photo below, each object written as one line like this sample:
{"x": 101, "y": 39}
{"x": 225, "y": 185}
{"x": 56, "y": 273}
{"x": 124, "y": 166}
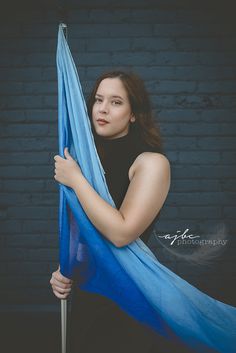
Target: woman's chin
{"x": 101, "y": 132}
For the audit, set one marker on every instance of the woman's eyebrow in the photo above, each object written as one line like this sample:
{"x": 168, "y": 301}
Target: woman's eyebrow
{"x": 114, "y": 96}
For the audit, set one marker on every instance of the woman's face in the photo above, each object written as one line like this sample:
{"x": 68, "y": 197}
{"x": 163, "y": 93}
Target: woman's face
{"x": 111, "y": 111}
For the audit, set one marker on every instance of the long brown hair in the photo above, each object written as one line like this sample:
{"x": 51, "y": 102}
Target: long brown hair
{"x": 144, "y": 126}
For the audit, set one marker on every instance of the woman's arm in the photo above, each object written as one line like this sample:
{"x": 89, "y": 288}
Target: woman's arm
{"x": 145, "y": 196}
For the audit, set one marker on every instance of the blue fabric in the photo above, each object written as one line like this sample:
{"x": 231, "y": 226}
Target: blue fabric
{"x": 131, "y": 276}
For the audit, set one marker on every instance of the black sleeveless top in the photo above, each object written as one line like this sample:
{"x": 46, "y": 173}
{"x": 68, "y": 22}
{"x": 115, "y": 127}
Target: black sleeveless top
{"x": 117, "y": 155}
{"x": 97, "y": 324}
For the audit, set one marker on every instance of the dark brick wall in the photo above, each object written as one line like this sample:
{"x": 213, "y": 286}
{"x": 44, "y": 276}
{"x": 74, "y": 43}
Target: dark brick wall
{"x": 186, "y": 54}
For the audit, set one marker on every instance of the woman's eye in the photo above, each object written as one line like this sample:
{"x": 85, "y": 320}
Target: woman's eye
{"x": 114, "y": 102}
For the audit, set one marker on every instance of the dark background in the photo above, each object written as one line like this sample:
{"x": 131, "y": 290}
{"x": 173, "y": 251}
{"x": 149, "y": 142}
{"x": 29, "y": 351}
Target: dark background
{"x": 186, "y": 53}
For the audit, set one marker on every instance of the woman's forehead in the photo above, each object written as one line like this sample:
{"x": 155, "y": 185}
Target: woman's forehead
{"x": 112, "y": 87}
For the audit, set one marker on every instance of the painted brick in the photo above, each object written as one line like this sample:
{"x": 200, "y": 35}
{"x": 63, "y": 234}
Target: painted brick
{"x": 107, "y": 44}
{"x": 18, "y": 158}
{"x": 22, "y": 186}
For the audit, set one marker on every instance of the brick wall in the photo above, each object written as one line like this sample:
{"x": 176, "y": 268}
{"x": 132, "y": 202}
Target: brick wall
{"x": 187, "y": 56}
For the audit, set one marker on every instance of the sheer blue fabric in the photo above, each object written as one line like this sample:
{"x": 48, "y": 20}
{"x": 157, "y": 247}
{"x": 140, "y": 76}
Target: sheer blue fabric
{"x": 131, "y": 276}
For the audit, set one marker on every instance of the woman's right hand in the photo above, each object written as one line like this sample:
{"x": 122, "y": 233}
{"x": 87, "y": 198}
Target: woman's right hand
{"x": 61, "y": 286}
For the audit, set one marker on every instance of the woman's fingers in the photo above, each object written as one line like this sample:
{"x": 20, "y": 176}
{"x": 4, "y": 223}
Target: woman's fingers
{"x": 59, "y": 277}
{"x": 61, "y": 290}
{"x": 59, "y": 295}
{"x": 61, "y": 285}
{"x": 67, "y": 154}
{"x": 58, "y": 281}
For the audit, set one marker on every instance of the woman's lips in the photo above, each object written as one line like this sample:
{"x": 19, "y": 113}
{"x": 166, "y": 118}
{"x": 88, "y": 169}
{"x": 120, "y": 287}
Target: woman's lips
{"x": 102, "y": 122}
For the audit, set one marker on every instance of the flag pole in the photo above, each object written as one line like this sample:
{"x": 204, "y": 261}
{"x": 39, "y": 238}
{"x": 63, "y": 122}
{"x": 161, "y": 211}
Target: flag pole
{"x": 63, "y": 324}
{"x": 63, "y": 301}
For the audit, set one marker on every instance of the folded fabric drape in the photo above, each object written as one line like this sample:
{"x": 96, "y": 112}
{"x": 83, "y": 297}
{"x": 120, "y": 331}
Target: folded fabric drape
{"x": 131, "y": 276}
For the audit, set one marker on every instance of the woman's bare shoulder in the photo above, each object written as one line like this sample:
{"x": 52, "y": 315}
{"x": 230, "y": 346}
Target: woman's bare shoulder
{"x": 152, "y": 161}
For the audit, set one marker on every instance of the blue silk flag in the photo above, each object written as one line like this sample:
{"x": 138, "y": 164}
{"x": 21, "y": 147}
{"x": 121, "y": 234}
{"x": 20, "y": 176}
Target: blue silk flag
{"x": 131, "y": 276}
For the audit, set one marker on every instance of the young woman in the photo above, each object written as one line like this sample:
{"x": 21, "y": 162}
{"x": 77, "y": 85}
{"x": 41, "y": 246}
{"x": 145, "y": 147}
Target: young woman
{"x": 138, "y": 178}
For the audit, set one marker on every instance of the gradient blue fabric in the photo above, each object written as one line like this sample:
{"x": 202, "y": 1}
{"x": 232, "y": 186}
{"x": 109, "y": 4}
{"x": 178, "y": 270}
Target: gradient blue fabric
{"x": 131, "y": 276}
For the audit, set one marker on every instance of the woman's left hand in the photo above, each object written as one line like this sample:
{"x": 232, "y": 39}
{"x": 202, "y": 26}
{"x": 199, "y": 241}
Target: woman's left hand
{"x": 67, "y": 170}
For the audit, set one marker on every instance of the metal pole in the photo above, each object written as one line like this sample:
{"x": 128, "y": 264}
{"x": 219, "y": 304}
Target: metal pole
{"x": 63, "y": 301}
{"x": 63, "y": 324}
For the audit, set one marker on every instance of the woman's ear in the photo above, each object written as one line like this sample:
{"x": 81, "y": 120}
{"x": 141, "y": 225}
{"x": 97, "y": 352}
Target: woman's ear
{"x": 132, "y": 119}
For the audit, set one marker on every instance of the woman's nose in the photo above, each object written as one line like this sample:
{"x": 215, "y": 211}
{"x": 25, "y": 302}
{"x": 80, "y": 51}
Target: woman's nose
{"x": 103, "y": 107}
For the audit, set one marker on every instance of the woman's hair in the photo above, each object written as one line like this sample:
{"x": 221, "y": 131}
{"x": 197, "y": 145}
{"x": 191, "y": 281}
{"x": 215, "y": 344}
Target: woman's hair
{"x": 144, "y": 126}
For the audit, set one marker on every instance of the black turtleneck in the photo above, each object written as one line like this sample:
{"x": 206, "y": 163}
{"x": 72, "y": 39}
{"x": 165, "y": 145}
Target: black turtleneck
{"x": 117, "y": 155}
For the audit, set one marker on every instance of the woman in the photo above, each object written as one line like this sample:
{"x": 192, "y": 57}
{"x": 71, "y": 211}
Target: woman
{"x": 138, "y": 177}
